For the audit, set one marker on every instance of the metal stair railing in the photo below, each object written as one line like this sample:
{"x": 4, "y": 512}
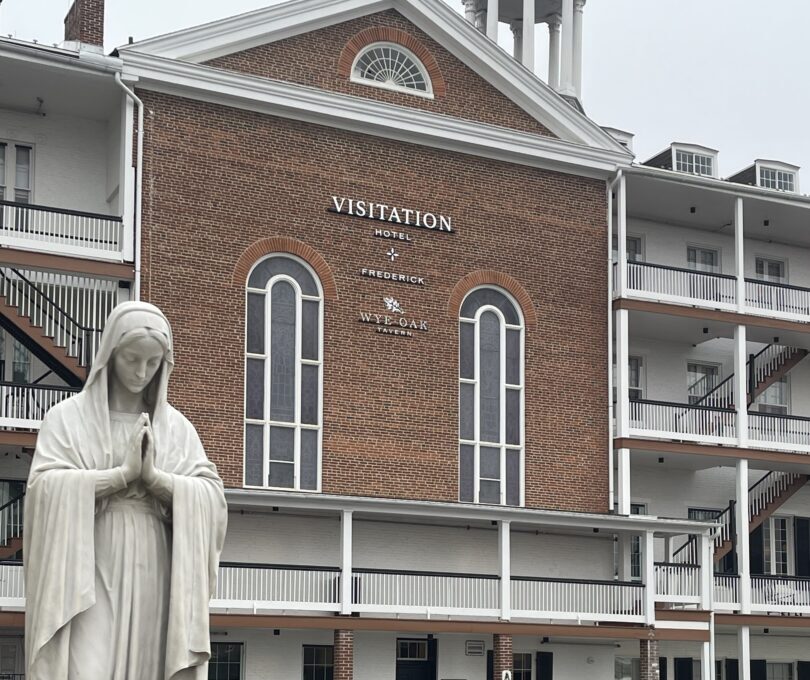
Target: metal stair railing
{"x": 11, "y": 519}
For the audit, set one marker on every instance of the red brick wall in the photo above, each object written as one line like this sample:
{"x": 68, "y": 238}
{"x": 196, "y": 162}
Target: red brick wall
{"x": 217, "y": 180}
{"x": 649, "y": 662}
{"x": 344, "y": 655}
{"x": 314, "y": 59}
{"x": 501, "y": 655}
{"x": 85, "y": 22}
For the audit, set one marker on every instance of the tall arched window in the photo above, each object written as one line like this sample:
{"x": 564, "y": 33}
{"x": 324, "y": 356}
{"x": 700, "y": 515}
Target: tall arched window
{"x": 491, "y": 461}
{"x": 283, "y": 375}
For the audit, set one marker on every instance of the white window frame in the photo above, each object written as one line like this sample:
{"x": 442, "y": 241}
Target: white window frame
{"x": 421, "y": 642}
{"x": 296, "y": 424}
{"x": 781, "y": 176}
{"x": 758, "y": 402}
{"x": 477, "y": 443}
{"x": 769, "y": 258}
{"x": 707, "y": 364}
{"x": 634, "y": 237}
{"x": 8, "y": 184}
{"x": 694, "y": 152}
{"x": 699, "y": 246}
{"x": 690, "y": 159}
{"x": 354, "y": 78}
{"x": 789, "y": 545}
{"x": 769, "y": 666}
{"x": 642, "y": 375}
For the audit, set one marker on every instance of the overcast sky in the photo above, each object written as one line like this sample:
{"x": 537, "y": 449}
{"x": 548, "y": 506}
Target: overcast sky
{"x": 728, "y": 74}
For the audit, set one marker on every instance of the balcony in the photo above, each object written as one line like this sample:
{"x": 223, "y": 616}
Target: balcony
{"x": 61, "y": 232}
{"x": 23, "y": 407}
{"x": 781, "y": 432}
{"x": 684, "y": 422}
{"x": 769, "y": 594}
{"x": 258, "y": 588}
{"x": 677, "y": 583}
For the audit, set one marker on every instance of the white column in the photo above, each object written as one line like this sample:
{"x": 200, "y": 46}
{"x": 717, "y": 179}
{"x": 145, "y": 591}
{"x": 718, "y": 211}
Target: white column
{"x": 621, "y": 236}
{"x": 527, "y": 40}
{"x": 554, "y": 26}
{"x": 622, "y": 326}
{"x": 492, "y": 20}
{"x": 517, "y": 39}
{"x": 576, "y": 68}
{"x": 625, "y": 548}
{"x": 741, "y": 384}
{"x": 706, "y": 663}
{"x": 706, "y": 573}
{"x": 739, "y": 252}
{"x": 126, "y": 178}
{"x": 744, "y": 652}
{"x": 741, "y": 523}
{"x": 469, "y": 11}
{"x": 505, "y": 569}
{"x": 648, "y": 576}
{"x": 567, "y": 59}
{"x": 668, "y": 548}
{"x": 623, "y": 482}
{"x": 346, "y": 562}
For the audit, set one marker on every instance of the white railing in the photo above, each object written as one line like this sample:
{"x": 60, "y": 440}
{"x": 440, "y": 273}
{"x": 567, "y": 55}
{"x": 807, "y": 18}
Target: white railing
{"x": 64, "y": 232}
{"x": 768, "y": 489}
{"x": 677, "y": 582}
{"x": 681, "y": 285}
{"x": 780, "y": 594}
{"x": 11, "y": 520}
{"x": 770, "y": 359}
{"x": 12, "y": 585}
{"x": 784, "y": 300}
{"x": 581, "y": 600}
{"x": 424, "y": 593}
{"x": 727, "y": 591}
{"x": 70, "y": 308}
{"x": 682, "y": 421}
{"x": 24, "y": 406}
{"x": 276, "y": 587}
{"x": 780, "y": 432}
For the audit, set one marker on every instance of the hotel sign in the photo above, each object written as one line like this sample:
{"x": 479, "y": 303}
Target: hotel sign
{"x": 394, "y": 214}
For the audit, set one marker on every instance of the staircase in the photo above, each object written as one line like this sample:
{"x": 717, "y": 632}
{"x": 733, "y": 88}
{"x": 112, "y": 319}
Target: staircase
{"x": 11, "y": 527}
{"x": 764, "y": 498}
{"x": 58, "y": 316}
{"x": 764, "y": 369}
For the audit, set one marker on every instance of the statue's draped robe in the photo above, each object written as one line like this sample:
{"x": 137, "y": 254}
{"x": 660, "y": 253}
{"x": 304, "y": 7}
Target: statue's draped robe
{"x": 60, "y": 515}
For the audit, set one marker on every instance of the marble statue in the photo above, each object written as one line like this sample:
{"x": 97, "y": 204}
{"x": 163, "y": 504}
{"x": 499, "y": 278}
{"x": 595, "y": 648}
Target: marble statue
{"x": 124, "y": 521}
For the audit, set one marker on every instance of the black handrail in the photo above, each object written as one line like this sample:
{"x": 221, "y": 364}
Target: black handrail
{"x": 12, "y": 501}
{"x": 589, "y": 582}
{"x": 46, "y": 297}
{"x": 681, "y": 269}
{"x": 62, "y": 211}
{"x": 778, "y": 285}
{"x": 781, "y": 577}
{"x": 406, "y": 572}
{"x": 722, "y": 409}
{"x": 731, "y": 377}
{"x": 280, "y": 567}
{"x": 688, "y": 565}
{"x": 783, "y": 416}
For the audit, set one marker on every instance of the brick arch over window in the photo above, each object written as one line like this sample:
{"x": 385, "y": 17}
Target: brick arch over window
{"x": 291, "y": 246}
{"x": 399, "y": 37}
{"x": 489, "y": 277}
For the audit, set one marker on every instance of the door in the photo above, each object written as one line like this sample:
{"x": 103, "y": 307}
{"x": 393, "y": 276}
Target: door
{"x": 11, "y": 657}
{"x": 417, "y": 659}
{"x": 684, "y": 668}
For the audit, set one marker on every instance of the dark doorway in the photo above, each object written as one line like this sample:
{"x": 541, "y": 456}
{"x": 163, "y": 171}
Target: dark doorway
{"x": 417, "y": 659}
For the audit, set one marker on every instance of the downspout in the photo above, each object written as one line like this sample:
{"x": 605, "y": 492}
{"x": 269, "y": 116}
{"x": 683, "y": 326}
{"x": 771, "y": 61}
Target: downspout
{"x": 138, "y": 184}
{"x": 611, "y": 410}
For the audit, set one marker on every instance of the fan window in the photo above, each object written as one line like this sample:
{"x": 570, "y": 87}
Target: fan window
{"x": 391, "y": 67}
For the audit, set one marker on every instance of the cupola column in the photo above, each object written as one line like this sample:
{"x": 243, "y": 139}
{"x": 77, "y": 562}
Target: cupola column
{"x": 579, "y": 6}
{"x": 517, "y": 38}
{"x": 554, "y": 27}
{"x": 492, "y": 20}
{"x": 567, "y": 59}
{"x": 527, "y": 40}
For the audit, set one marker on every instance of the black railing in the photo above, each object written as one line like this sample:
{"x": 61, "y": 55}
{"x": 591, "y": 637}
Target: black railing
{"x": 61, "y": 211}
{"x": 681, "y": 269}
{"x": 776, "y": 284}
{"x": 25, "y": 402}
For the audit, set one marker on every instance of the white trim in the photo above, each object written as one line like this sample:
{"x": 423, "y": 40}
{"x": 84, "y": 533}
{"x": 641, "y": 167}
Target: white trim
{"x": 368, "y": 116}
{"x": 437, "y": 19}
{"x": 426, "y": 93}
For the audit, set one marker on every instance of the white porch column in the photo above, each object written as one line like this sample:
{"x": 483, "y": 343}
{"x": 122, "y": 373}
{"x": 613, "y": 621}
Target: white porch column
{"x": 744, "y": 652}
{"x": 739, "y": 252}
{"x": 527, "y": 39}
{"x": 648, "y": 576}
{"x": 505, "y": 568}
{"x": 126, "y": 179}
{"x": 621, "y": 236}
{"x": 741, "y": 522}
{"x": 517, "y": 39}
{"x": 668, "y": 548}
{"x": 576, "y": 68}
{"x": 346, "y": 562}
{"x": 741, "y": 384}
{"x": 554, "y": 26}
{"x": 567, "y": 59}
{"x": 492, "y": 20}
{"x": 706, "y": 573}
{"x": 706, "y": 662}
{"x": 622, "y": 410}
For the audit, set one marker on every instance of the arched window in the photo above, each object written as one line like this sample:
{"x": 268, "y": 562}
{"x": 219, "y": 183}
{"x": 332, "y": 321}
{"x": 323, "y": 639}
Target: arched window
{"x": 393, "y": 67}
{"x": 491, "y": 461}
{"x": 283, "y": 375}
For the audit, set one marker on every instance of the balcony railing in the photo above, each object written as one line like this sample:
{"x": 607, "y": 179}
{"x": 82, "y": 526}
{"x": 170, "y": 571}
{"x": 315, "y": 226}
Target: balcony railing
{"x": 779, "y": 299}
{"x": 24, "y": 406}
{"x": 727, "y": 591}
{"x": 776, "y": 431}
{"x": 680, "y": 285}
{"x": 12, "y": 585}
{"x": 379, "y": 590}
{"x": 675, "y": 582}
{"x": 551, "y": 598}
{"x": 63, "y": 232}
{"x": 667, "y": 420}
{"x": 782, "y": 594}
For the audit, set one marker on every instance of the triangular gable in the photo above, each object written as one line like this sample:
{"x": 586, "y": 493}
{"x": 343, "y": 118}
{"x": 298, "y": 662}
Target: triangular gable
{"x": 448, "y": 28}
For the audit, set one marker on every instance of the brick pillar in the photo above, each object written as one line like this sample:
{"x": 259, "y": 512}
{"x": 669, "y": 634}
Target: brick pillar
{"x": 650, "y": 669}
{"x": 344, "y": 655}
{"x": 502, "y": 654}
{"x": 84, "y": 22}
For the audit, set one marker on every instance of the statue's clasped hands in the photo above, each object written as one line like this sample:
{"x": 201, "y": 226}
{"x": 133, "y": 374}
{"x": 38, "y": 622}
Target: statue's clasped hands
{"x": 140, "y": 458}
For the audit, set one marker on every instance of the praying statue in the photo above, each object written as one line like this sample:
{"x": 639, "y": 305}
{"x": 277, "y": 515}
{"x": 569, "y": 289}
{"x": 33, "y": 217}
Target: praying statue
{"x": 124, "y": 521}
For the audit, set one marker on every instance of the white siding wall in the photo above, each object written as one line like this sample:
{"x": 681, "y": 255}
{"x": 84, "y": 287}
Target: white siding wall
{"x": 70, "y": 158}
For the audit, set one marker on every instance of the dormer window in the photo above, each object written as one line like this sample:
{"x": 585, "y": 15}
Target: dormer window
{"x": 694, "y": 163}
{"x": 781, "y": 180}
{"x": 392, "y": 67}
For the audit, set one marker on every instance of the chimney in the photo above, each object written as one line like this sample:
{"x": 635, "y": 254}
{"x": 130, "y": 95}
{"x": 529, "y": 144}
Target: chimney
{"x": 84, "y": 24}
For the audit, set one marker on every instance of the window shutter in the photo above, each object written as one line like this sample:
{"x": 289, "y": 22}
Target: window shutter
{"x": 801, "y": 531}
{"x": 683, "y": 669}
{"x": 545, "y": 666}
{"x": 755, "y": 544}
{"x": 662, "y": 668}
{"x": 732, "y": 669}
{"x": 759, "y": 669}
{"x": 490, "y": 665}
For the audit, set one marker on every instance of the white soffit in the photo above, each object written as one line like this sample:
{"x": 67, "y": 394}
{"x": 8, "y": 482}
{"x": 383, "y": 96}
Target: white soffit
{"x": 434, "y": 17}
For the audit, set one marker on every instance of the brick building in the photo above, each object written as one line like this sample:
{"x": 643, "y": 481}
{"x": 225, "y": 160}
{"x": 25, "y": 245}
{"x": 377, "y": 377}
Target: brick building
{"x": 473, "y": 413}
